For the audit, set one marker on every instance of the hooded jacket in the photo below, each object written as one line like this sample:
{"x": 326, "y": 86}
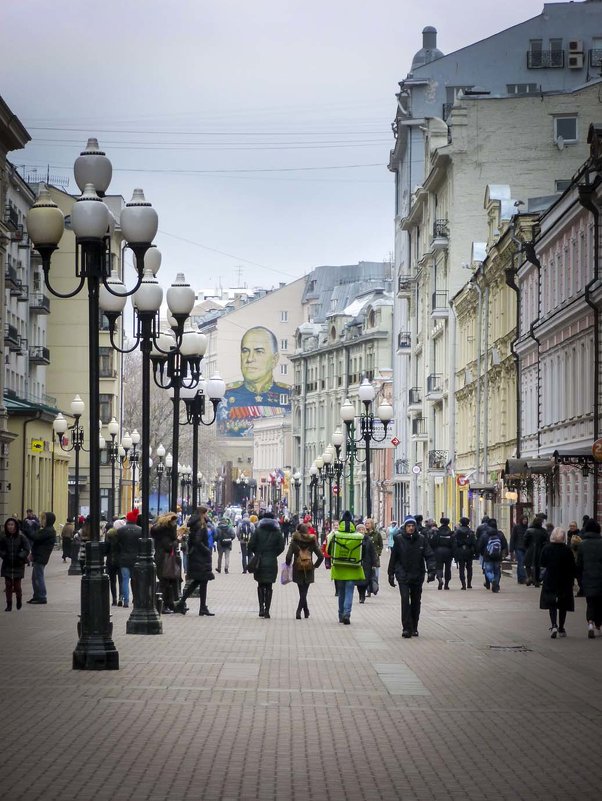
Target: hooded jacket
{"x": 589, "y": 560}
{"x": 301, "y": 541}
{"x": 268, "y": 543}
{"x": 14, "y": 550}
{"x": 43, "y": 540}
{"x": 199, "y": 552}
{"x": 411, "y": 556}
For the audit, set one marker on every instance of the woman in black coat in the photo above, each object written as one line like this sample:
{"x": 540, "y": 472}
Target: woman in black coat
{"x": 536, "y": 537}
{"x": 199, "y": 570}
{"x": 557, "y": 586}
{"x": 167, "y": 558}
{"x": 14, "y": 551}
{"x": 369, "y": 562}
{"x": 266, "y": 543}
{"x": 303, "y": 545}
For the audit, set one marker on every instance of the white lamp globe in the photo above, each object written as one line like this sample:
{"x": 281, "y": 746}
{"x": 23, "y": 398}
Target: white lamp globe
{"x": 59, "y": 424}
{"x": 180, "y": 297}
{"x": 45, "y": 221}
{"x": 338, "y": 438}
{"x": 126, "y": 441}
{"x": 109, "y": 302}
{"x": 216, "y": 387}
{"x": 113, "y": 427}
{"x": 160, "y": 451}
{"x": 139, "y": 221}
{"x": 89, "y": 215}
{"x": 93, "y": 167}
{"x": 169, "y": 461}
{"x": 77, "y": 406}
{"x": 385, "y": 411}
{"x": 348, "y": 411}
{"x": 135, "y": 436}
{"x": 366, "y": 391}
{"x": 149, "y": 295}
{"x": 152, "y": 260}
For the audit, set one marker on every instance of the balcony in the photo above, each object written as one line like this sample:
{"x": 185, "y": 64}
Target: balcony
{"x": 419, "y": 428}
{"x": 434, "y": 386}
{"x": 545, "y": 59}
{"x": 11, "y": 216}
{"x": 404, "y": 286}
{"x": 404, "y": 341}
{"x": 39, "y": 303}
{"x": 38, "y": 354}
{"x": 437, "y": 460}
{"x": 439, "y": 307}
{"x": 402, "y": 467}
{"x": 11, "y": 278}
{"x": 440, "y": 239}
{"x": 595, "y": 57}
{"x": 11, "y": 337}
{"x": 414, "y": 398}
{"x": 23, "y": 295}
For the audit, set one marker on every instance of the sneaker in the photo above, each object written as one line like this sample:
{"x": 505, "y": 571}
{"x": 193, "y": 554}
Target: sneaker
{"x": 561, "y": 633}
{"x": 554, "y": 632}
{"x": 590, "y": 631}
{"x": 346, "y": 620}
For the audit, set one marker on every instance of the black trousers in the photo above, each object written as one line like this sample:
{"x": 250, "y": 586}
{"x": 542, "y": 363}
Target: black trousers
{"x": 444, "y": 558}
{"x": 411, "y": 595}
{"x": 465, "y": 570}
{"x": 191, "y": 586}
{"x": 303, "y": 590}
{"x": 594, "y": 609}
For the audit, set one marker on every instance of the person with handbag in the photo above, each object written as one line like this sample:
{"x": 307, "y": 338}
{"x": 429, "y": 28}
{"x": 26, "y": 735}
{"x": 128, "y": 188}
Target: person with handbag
{"x": 369, "y": 562}
{"x": 265, "y": 545}
{"x": 199, "y": 571}
{"x": 302, "y": 546}
{"x": 14, "y": 552}
{"x": 167, "y": 558}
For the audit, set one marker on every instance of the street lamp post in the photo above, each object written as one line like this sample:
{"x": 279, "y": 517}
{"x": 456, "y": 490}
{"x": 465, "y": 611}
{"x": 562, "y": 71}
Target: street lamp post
{"x": 134, "y": 458}
{"x": 60, "y": 426}
{"x": 146, "y": 302}
{"x": 197, "y": 414}
{"x": 367, "y": 435}
{"x": 328, "y": 457}
{"x": 160, "y": 470}
{"x": 92, "y": 224}
{"x": 339, "y": 465}
{"x": 113, "y": 453}
{"x": 313, "y": 493}
{"x": 297, "y": 483}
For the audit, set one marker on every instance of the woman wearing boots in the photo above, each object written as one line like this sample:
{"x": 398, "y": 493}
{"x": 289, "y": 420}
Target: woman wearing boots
{"x": 14, "y": 550}
{"x": 266, "y": 544}
{"x": 199, "y": 563}
{"x": 303, "y": 545}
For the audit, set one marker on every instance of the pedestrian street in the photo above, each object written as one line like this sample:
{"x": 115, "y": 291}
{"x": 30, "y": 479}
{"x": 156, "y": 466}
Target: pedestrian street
{"x": 482, "y": 705}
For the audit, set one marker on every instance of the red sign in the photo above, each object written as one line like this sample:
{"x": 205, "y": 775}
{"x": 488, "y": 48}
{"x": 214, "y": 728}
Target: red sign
{"x": 461, "y": 481}
{"x": 335, "y": 490}
{"x": 395, "y": 441}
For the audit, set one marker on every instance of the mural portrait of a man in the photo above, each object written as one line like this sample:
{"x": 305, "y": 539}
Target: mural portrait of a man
{"x": 258, "y": 394}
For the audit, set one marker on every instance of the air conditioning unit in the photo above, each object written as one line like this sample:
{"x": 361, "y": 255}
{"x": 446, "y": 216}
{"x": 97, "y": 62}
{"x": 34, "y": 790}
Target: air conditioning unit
{"x": 495, "y": 357}
{"x": 576, "y": 61}
{"x": 575, "y": 46}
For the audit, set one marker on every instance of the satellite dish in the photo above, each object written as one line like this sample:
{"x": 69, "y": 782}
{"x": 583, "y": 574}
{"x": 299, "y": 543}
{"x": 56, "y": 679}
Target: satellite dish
{"x": 560, "y": 142}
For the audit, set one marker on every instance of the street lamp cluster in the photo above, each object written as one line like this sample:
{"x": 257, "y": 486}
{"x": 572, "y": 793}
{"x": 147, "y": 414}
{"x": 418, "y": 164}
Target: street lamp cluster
{"x": 360, "y": 430}
{"x": 93, "y": 225}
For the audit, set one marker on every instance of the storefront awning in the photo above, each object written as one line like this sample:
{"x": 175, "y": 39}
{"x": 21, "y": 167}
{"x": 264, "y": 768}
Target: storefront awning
{"x": 517, "y": 468}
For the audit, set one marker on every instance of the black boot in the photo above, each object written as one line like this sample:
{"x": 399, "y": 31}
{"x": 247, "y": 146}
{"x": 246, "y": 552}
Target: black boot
{"x": 180, "y": 606}
{"x": 268, "y": 601}
{"x": 261, "y": 597}
{"x": 306, "y": 610}
{"x": 203, "y": 611}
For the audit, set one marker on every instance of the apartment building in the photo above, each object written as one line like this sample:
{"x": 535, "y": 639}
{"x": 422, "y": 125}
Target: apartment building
{"x": 555, "y": 52}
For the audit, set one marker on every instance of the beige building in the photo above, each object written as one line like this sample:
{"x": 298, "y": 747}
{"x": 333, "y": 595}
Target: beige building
{"x": 67, "y": 338}
{"x": 486, "y": 141}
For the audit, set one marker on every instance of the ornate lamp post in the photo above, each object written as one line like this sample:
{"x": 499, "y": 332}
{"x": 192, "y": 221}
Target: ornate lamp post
{"x": 313, "y": 492}
{"x": 328, "y": 457}
{"x": 126, "y": 447}
{"x": 160, "y": 470}
{"x": 337, "y": 440}
{"x": 197, "y": 414}
{"x": 367, "y": 435}
{"x": 146, "y": 301}
{"x": 113, "y": 454}
{"x": 92, "y": 224}
{"x": 60, "y": 426}
{"x": 297, "y": 483}
{"x": 134, "y": 458}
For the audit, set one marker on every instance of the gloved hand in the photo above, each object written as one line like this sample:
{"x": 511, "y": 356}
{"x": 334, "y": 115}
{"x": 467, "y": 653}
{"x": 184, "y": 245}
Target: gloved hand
{"x": 431, "y": 577}
{"x": 392, "y": 580}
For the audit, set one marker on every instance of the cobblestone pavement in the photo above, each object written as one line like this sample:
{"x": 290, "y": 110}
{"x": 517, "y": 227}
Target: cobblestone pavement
{"x": 483, "y": 705}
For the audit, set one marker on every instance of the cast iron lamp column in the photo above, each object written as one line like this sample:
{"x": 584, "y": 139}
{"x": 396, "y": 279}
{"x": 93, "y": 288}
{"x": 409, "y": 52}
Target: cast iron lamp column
{"x": 134, "y": 458}
{"x": 113, "y": 453}
{"x": 92, "y": 225}
{"x": 328, "y": 457}
{"x": 160, "y": 470}
{"x": 146, "y": 302}
{"x": 337, "y": 440}
{"x": 77, "y": 444}
{"x": 366, "y": 394}
{"x": 297, "y": 483}
{"x": 313, "y": 493}
{"x": 196, "y": 415}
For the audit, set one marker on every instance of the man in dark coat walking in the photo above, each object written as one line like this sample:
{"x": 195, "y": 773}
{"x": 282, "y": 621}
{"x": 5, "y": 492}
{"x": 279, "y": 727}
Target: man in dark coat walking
{"x": 589, "y": 571}
{"x": 126, "y": 551}
{"x": 536, "y": 537}
{"x": 517, "y": 548}
{"x": 411, "y": 557}
{"x": 42, "y": 544}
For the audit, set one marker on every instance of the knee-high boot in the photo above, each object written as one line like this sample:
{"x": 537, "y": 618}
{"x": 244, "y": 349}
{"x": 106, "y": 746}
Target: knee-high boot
{"x": 261, "y": 598}
{"x": 268, "y": 601}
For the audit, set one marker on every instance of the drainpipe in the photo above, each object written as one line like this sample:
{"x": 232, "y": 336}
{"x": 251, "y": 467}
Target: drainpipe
{"x": 586, "y": 198}
{"x": 452, "y": 404}
{"x": 510, "y": 281}
{"x": 303, "y": 422}
{"x": 486, "y": 388}
{"x": 478, "y": 414}
{"x": 529, "y": 250}
{"x": 24, "y": 461}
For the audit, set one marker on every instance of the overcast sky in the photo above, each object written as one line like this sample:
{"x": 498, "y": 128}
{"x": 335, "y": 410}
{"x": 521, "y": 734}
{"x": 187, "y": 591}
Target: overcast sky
{"x": 259, "y": 130}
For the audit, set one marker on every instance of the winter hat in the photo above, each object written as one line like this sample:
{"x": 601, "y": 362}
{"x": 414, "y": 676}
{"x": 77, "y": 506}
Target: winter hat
{"x": 132, "y": 516}
{"x": 119, "y": 523}
{"x": 347, "y": 517}
{"x": 592, "y": 526}
{"x": 409, "y": 519}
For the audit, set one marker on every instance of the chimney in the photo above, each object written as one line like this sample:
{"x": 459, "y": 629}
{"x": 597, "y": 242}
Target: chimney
{"x": 429, "y": 38}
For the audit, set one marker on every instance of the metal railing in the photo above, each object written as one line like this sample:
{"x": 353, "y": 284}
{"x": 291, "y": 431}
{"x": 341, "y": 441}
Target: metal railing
{"x": 440, "y": 228}
{"x": 404, "y": 340}
{"x": 39, "y": 302}
{"x": 434, "y": 383}
{"x": 545, "y": 59}
{"x": 439, "y": 301}
{"x": 437, "y": 460}
{"x": 414, "y": 396}
{"x": 39, "y": 354}
{"x": 419, "y": 427}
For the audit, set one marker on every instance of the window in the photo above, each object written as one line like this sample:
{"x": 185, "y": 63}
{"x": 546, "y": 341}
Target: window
{"x": 106, "y": 407}
{"x": 565, "y": 130}
{"x": 561, "y": 184}
{"x": 284, "y": 400}
{"x": 284, "y": 317}
{"x": 105, "y": 362}
{"x": 284, "y": 369}
{"x": 521, "y": 88}
{"x": 284, "y": 344}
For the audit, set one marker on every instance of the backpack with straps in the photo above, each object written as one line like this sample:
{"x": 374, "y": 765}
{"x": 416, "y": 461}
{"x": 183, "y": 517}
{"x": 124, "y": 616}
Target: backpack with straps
{"x": 304, "y": 561}
{"x": 493, "y": 548}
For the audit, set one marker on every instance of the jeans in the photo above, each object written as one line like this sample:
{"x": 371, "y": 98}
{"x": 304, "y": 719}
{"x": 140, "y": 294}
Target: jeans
{"x": 521, "y": 573}
{"x": 411, "y": 595}
{"x": 126, "y": 574}
{"x": 493, "y": 572}
{"x": 37, "y": 581}
{"x": 345, "y": 589}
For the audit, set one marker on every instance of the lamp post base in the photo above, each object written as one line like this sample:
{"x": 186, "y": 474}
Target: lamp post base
{"x": 144, "y": 618}
{"x": 95, "y": 649}
{"x": 75, "y": 568}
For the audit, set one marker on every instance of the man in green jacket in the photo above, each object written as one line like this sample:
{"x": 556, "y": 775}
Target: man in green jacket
{"x": 345, "y": 550}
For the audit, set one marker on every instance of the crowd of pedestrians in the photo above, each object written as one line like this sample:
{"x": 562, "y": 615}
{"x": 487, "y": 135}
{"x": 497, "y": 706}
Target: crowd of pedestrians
{"x": 546, "y": 557}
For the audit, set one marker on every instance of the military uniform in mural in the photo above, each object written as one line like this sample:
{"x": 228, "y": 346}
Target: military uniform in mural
{"x": 241, "y": 407}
